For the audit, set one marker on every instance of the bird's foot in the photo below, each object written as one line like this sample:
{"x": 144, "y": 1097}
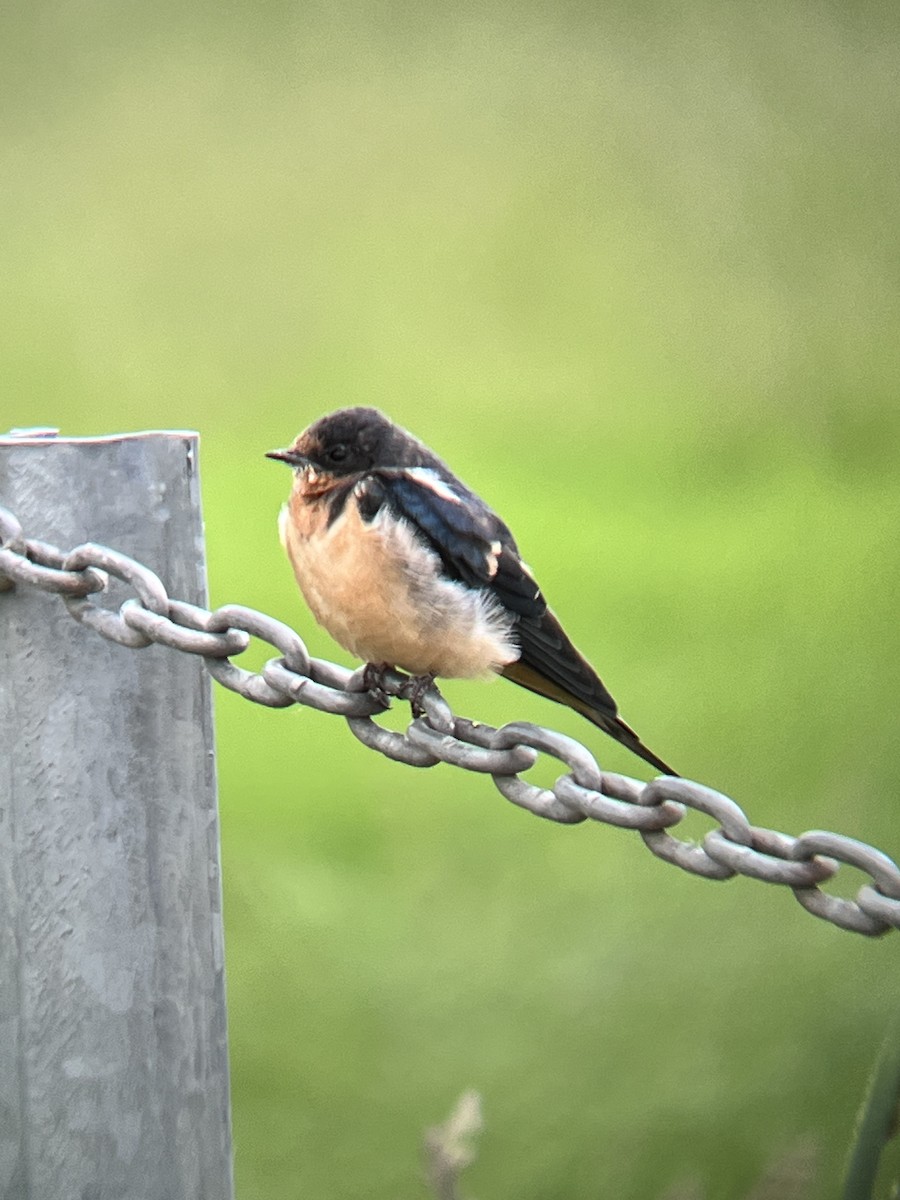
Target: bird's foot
{"x": 418, "y": 686}
{"x": 374, "y": 681}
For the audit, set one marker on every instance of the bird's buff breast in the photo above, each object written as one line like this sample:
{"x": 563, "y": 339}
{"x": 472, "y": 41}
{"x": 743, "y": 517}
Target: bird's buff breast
{"x": 378, "y": 591}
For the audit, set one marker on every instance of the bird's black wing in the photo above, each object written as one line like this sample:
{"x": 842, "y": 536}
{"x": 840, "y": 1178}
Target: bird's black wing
{"x": 473, "y": 544}
{"x": 476, "y": 548}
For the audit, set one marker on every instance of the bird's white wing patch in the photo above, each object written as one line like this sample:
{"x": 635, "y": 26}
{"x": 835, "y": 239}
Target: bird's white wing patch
{"x": 492, "y": 558}
{"x": 430, "y": 479}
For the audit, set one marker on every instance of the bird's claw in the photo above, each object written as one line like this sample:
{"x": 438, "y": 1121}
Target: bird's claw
{"x": 418, "y": 686}
{"x": 413, "y": 688}
{"x": 374, "y": 681}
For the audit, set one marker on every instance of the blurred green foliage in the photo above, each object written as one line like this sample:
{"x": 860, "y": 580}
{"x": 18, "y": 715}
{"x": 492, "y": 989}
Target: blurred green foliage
{"x": 633, "y": 269}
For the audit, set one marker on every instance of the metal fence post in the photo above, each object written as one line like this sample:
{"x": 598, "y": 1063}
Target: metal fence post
{"x": 113, "y": 1057}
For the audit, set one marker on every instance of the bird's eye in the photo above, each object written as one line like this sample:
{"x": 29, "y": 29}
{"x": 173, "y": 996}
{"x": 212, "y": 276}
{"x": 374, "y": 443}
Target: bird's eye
{"x": 338, "y": 453}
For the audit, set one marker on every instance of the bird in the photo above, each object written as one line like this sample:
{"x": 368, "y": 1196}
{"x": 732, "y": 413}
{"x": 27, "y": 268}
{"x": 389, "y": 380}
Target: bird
{"x": 405, "y": 566}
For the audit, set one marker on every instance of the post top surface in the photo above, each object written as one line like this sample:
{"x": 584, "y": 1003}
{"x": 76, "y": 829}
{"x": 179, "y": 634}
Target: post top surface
{"x": 48, "y": 435}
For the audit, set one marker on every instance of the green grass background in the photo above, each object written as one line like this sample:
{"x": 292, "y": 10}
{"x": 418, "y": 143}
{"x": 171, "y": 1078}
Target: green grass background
{"x": 633, "y": 269}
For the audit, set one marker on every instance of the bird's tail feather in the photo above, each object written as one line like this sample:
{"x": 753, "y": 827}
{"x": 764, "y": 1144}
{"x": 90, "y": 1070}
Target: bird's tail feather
{"x": 551, "y": 666}
{"x": 623, "y": 733}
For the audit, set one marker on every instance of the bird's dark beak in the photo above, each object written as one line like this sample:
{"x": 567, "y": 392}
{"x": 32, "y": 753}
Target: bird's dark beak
{"x": 291, "y": 457}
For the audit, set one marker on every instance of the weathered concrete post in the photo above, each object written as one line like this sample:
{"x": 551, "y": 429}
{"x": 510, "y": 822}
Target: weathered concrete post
{"x": 113, "y": 1058}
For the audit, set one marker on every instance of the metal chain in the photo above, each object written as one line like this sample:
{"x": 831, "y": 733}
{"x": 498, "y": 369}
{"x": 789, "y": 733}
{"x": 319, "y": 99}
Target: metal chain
{"x": 585, "y": 791}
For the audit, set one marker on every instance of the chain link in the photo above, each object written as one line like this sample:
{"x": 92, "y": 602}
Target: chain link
{"x": 582, "y": 792}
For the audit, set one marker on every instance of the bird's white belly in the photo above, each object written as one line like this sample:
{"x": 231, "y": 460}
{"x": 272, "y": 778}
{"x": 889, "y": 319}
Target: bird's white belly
{"x": 379, "y": 592}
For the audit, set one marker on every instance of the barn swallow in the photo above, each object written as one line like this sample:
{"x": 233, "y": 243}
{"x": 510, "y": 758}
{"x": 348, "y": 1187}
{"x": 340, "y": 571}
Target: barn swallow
{"x": 406, "y": 567}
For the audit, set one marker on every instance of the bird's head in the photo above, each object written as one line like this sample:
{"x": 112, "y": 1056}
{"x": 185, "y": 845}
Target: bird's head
{"x": 352, "y": 441}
